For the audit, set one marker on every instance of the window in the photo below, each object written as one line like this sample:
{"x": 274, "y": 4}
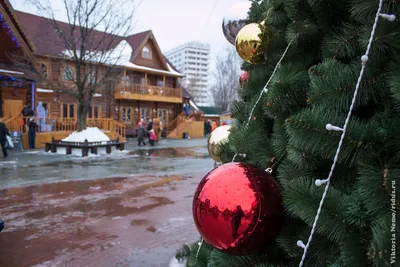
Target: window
{"x": 43, "y": 68}
{"x": 146, "y": 52}
{"x": 160, "y": 83}
{"x": 163, "y": 115}
{"x": 145, "y": 114}
{"x": 126, "y": 114}
{"x": 68, "y": 74}
{"x": 68, "y": 111}
{"x": 125, "y": 80}
{"x": 94, "y": 112}
{"x": 92, "y": 77}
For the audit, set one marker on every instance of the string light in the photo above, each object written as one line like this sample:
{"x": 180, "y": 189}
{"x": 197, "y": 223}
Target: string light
{"x": 9, "y": 31}
{"x": 329, "y": 127}
{"x": 265, "y": 89}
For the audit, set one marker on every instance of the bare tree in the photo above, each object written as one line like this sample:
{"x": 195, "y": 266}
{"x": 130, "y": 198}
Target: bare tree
{"x": 226, "y": 78}
{"x": 194, "y": 88}
{"x": 93, "y": 41}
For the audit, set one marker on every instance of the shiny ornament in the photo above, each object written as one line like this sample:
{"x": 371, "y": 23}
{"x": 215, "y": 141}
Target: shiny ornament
{"x": 237, "y": 208}
{"x": 244, "y": 77}
{"x": 217, "y": 137}
{"x": 252, "y": 40}
{"x": 235, "y": 19}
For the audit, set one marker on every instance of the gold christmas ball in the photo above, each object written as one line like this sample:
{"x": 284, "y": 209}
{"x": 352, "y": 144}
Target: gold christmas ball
{"x": 218, "y": 137}
{"x": 251, "y": 40}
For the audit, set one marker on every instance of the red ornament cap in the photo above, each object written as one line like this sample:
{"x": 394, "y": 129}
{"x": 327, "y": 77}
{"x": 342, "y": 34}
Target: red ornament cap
{"x": 237, "y": 208}
{"x": 244, "y": 77}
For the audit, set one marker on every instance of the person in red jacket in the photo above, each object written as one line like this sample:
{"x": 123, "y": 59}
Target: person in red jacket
{"x": 152, "y": 137}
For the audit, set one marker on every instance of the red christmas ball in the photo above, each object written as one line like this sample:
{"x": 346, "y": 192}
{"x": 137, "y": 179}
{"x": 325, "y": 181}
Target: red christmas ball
{"x": 237, "y": 208}
{"x": 244, "y": 77}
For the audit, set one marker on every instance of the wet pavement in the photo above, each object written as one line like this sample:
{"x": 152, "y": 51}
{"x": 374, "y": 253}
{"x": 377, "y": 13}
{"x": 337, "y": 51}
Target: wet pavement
{"x": 37, "y": 167}
{"x": 58, "y": 212}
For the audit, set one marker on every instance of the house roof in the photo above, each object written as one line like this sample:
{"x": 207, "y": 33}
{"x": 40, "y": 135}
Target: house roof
{"x": 211, "y": 110}
{"x": 7, "y": 9}
{"x": 23, "y": 53}
{"x": 42, "y": 33}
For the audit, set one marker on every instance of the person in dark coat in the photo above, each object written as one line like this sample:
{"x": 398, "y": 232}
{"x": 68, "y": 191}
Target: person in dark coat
{"x": 209, "y": 128}
{"x": 3, "y": 137}
{"x": 140, "y": 135}
{"x": 32, "y": 133}
{"x": 150, "y": 126}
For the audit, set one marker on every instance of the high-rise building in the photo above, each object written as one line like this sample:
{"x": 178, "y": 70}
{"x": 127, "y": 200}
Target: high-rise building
{"x": 193, "y": 60}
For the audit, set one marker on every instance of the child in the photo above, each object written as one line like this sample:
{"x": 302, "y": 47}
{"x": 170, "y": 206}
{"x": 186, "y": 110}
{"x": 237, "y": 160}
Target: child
{"x": 152, "y": 137}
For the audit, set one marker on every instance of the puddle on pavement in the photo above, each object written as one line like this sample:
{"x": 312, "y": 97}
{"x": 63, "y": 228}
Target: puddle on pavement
{"x": 139, "y": 222}
{"x": 151, "y": 229}
{"x": 182, "y": 152}
{"x": 61, "y": 210}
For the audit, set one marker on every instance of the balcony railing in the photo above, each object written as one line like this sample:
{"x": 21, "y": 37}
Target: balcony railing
{"x": 148, "y": 92}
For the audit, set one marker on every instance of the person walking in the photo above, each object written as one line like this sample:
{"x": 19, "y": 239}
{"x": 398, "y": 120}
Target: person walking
{"x": 32, "y": 133}
{"x": 152, "y": 137}
{"x": 140, "y": 135}
{"x": 3, "y": 138}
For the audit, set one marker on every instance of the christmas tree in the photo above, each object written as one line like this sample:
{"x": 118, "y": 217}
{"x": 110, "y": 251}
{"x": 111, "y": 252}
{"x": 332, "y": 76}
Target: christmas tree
{"x": 314, "y": 87}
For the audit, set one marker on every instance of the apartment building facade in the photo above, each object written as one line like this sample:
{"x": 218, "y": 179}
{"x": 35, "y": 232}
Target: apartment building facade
{"x": 193, "y": 61}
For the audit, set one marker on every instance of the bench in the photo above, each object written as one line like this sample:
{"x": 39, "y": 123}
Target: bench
{"x": 85, "y": 146}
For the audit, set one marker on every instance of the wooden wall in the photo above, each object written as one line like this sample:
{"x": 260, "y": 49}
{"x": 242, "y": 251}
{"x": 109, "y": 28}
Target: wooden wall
{"x": 155, "y": 61}
{"x": 110, "y": 107}
{"x": 135, "y": 115}
{"x": 196, "y": 129}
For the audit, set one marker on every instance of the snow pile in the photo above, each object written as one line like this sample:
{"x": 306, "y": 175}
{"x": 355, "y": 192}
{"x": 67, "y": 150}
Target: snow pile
{"x": 175, "y": 263}
{"x": 92, "y": 134}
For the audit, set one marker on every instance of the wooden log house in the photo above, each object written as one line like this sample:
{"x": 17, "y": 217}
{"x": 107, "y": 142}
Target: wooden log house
{"x": 148, "y": 86}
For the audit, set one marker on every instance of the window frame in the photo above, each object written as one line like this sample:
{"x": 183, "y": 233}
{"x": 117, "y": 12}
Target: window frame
{"x": 46, "y": 75}
{"x": 91, "y": 111}
{"x": 68, "y": 111}
{"x": 145, "y": 52}
{"x": 89, "y": 75}
{"x": 126, "y": 109}
{"x": 64, "y": 72}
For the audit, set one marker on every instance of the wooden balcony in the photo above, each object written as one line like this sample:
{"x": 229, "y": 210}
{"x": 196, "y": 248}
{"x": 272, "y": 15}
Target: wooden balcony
{"x": 148, "y": 93}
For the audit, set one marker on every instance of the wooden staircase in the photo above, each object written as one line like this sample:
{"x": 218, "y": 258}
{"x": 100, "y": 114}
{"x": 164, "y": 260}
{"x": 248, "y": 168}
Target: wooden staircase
{"x": 183, "y": 123}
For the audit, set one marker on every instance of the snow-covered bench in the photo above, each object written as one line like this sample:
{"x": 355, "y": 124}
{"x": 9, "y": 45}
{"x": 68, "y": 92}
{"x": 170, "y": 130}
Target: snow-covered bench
{"x": 85, "y": 146}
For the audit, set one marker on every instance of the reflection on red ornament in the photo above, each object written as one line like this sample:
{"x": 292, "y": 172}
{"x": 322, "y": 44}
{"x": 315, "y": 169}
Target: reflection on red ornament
{"x": 237, "y": 208}
{"x": 244, "y": 77}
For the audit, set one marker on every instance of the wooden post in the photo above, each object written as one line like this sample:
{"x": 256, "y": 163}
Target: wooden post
{"x": 124, "y": 79}
{"x": 180, "y": 87}
{"x": 145, "y": 78}
{"x": 139, "y": 112}
{"x": 164, "y": 81}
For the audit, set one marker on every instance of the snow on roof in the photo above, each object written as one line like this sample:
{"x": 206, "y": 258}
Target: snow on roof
{"x": 138, "y": 67}
{"x": 120, "y": 56}
{"x": 40, "y": 90}
{"x": 192, "y": 104}
{"x": 11, "y": 72}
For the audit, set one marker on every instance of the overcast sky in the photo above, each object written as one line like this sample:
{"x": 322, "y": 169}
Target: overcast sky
{"x": 173, "y": 22}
